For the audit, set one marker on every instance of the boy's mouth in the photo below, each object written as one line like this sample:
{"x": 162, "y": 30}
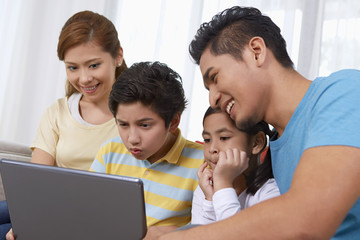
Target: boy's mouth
{"x": 135, "y": 151}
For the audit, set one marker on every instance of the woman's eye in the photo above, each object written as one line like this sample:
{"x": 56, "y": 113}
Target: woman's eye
{"x": 71, "y": 68}
{"x": 95, "y": 65}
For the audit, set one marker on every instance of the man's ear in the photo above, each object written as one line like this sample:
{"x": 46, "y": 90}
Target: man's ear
{"x": 258, "y": 48}
{"x": 175, "y": 123}
{"x": 259, "y": 143}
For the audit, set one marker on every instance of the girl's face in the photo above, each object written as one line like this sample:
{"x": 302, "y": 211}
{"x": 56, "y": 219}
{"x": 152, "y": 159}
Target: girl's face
{"x": 221, "y": 134}
{"x": 91, "y": 71}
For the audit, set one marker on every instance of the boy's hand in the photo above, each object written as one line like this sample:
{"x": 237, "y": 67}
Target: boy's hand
{"x": 230, "y": 165}
{"x": 205, "y": 176}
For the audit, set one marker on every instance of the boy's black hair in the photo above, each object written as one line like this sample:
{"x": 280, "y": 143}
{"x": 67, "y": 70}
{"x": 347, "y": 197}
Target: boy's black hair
{"x": 230, "y": 30}
{"x": 263, "y": 172}
{"x": 153, "y": 84}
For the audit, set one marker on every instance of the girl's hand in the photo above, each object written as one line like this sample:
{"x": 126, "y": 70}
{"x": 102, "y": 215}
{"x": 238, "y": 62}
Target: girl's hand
{"x": 205, "y": 176}
{"x": 230, "y": 165}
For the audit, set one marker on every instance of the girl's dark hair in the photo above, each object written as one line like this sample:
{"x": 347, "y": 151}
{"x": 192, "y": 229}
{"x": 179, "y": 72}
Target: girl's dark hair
{"x": 258, "y": 175}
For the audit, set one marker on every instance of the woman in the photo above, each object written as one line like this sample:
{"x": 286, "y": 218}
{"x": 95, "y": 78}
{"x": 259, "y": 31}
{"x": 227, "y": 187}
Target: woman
{"x": 73, "y": 128}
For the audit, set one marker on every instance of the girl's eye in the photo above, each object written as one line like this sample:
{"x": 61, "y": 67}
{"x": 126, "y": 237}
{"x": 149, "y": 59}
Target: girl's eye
{"x": 224, "y": 138}
{"x": 95, "y": 65}
{"x": 206, "y": 140}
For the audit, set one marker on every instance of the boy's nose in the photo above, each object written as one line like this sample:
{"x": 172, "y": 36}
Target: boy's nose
{"x": 133, "y": 138}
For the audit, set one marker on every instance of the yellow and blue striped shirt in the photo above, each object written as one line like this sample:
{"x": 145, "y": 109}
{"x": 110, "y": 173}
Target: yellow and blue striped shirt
{"x": 169, "y": 183}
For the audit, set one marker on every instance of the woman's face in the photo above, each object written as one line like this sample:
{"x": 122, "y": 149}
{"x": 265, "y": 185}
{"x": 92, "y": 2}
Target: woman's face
{"x": 91, "y": 71}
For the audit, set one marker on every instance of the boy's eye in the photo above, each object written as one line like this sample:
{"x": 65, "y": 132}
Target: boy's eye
{"x": 224, "y": 138}
{"x": 122, "y": 124}
{"x": 145, "y": 125}
{"x": 95, "y": 65}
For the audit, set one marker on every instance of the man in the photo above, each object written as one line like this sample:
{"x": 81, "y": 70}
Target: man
{"x": 316, "y": 153}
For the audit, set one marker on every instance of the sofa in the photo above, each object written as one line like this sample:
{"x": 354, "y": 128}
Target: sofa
{"x": 13, "y": 151}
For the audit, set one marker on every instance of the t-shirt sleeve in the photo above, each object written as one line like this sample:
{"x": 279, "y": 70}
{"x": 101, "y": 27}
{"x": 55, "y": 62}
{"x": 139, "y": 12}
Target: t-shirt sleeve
{"x": 47, "y": 135}
{"x": 98, "y": 164}
{"x": 336, "y": 114}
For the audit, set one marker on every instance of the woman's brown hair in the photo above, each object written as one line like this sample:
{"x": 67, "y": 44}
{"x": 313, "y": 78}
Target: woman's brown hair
{"x": 84, "y": 27}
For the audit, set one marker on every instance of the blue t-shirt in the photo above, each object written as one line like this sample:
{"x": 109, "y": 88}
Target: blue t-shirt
{"x": 329, "y": 114}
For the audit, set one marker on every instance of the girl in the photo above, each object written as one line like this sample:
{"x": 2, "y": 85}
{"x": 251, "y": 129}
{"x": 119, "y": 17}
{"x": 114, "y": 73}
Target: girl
{"x": 232, "y": 177}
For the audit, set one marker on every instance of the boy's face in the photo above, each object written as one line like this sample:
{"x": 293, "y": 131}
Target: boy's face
{"x": 236, "y": 86}
{"x": 220, "y": 134}
{"x": 143, "y": 131}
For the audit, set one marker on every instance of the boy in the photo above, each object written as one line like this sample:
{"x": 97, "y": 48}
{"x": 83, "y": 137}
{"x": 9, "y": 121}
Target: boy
{"x": 316, "y": 154}
{"x": 147, "y": 101}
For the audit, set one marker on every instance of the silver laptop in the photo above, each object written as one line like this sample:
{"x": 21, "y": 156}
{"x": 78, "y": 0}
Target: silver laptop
{"x": 56, "y": 203}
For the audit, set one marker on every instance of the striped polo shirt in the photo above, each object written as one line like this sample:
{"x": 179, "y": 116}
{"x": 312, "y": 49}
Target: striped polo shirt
{"x": 169, "y": 183}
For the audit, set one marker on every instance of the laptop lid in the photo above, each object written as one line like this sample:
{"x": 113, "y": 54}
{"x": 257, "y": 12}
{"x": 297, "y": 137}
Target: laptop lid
{"x": 47, "y": 202}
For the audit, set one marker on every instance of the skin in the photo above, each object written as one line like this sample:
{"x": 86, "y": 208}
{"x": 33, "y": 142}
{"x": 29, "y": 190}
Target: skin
{"x": 92, "y": 72}
{"x": 226, "y": 150}
{"x": 300, "y": 213}
{"x": 143, "y": 131}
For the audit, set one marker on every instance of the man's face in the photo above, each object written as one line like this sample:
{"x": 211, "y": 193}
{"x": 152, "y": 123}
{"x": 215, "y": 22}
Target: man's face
{"x": 235, "y": 86}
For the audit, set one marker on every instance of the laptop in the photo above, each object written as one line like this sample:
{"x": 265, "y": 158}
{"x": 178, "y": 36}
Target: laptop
{"x": 47, "y": 202}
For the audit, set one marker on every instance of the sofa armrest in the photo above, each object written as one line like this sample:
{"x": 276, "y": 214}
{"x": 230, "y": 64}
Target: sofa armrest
{"x": 12, "y": 151}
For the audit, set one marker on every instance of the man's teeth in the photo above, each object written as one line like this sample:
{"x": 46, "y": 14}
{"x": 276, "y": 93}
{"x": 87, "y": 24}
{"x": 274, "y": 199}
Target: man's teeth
{"x": 229, "y": 106}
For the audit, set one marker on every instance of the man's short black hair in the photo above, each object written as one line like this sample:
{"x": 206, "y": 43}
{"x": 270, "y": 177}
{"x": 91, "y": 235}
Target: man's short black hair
{"x": 153, "y": 84}
{"x": 230, "y": 30}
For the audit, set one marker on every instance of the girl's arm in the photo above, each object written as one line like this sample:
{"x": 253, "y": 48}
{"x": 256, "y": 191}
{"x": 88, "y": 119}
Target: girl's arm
{"x": 226, "y": 203}
{"x": 202, "y": 211}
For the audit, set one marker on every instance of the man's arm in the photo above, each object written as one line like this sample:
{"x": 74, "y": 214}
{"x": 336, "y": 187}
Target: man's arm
{"x": 324, "y": 188}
